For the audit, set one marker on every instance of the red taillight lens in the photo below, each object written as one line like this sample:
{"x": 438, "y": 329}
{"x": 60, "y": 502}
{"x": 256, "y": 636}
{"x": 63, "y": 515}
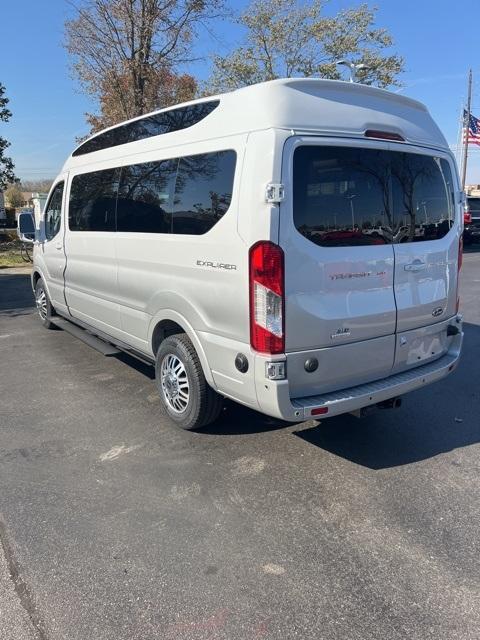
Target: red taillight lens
{"x": 267, "y": 299}
{"x": 467, "y": 217}
{"x": 319, "y": 411}
{"x": 384, "y": 135}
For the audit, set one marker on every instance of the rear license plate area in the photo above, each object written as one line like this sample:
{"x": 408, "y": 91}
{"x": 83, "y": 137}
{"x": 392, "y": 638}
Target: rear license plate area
{"x": 424, "y": 347}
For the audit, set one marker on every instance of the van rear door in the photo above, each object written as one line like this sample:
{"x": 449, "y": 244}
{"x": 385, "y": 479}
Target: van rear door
{"x": 371, "y": 250}
{"x": 426, "y": 239}
{"x": 339, "y": 263}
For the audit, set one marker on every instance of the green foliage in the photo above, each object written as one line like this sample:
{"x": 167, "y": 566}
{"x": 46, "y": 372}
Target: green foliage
{"x": 6, "y": 165}
{"x": 14, "y": 195}
{"x": 287, "y": 39}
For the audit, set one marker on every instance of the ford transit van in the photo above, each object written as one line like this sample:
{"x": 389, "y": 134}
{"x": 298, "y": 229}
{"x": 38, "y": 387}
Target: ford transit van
{"x": 294, "y": 246}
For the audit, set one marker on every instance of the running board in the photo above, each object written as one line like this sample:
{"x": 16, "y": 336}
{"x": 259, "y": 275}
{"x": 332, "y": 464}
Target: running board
{"x": 96, "y": 343}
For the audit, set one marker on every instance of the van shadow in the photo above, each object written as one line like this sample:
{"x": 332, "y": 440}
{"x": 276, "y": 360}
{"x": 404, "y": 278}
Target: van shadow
{"x": 236, "y": 419}
{"x": 16, "y": 296}
{"x": 381, "y": 442}
{"x": 438, "y": 419}
{"x": 145, "y": 369}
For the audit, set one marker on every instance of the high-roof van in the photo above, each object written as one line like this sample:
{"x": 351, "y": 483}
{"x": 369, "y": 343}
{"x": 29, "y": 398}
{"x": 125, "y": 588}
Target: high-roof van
{"x": 294, "y": 246}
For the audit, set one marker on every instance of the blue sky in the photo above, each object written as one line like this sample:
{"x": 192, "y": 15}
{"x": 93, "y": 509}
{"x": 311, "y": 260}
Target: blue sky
{"x": 438, "y": 38}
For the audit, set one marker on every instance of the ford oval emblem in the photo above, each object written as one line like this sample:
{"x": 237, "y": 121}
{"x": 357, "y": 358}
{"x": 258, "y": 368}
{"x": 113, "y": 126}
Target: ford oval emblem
{"x": 437, "y": 312}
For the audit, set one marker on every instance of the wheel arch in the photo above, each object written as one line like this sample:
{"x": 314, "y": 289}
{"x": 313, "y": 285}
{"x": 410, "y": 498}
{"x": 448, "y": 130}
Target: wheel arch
{"x": 36, "y": 276}
{"x": 168, "y": 323}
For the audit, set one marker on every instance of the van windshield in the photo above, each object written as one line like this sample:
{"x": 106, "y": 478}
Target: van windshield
{"x": 355, "y": 196}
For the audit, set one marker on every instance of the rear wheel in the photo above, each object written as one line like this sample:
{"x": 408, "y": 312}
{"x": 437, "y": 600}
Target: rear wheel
{"x": 186, "y": 397}
{"x": 44, "y": 306}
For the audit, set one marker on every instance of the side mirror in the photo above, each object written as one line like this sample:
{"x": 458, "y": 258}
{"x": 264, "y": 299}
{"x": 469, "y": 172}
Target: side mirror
{"x": 26, "y": 227}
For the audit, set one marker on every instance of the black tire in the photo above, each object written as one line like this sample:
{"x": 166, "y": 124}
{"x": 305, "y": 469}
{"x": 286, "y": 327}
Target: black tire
{"x": 44, "y": 306}
{"x": 203, "y": 405}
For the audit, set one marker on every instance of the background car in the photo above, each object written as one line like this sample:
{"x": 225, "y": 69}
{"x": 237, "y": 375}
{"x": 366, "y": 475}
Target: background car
{"x": 471, "y": 231}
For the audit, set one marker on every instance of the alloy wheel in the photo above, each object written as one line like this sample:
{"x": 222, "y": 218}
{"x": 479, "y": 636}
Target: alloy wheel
{"x": 175, "y": 385}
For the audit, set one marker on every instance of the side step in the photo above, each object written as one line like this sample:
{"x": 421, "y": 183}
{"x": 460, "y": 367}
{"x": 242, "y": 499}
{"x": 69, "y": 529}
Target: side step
{"x": 100, "y": 345}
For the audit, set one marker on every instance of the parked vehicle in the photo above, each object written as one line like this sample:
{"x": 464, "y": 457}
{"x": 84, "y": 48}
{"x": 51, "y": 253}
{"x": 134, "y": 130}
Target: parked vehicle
{"x": 192, "y": 238}
{"x": 471, "y": 231}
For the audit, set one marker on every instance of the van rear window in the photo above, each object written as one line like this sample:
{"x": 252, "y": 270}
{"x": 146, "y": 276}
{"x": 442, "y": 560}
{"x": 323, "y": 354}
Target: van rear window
{"x": 355, "y": 196}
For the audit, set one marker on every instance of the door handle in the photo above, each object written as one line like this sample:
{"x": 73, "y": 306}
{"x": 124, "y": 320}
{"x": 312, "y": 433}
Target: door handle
{"x": 416, "y": 265}
{"x": 59, "y": 246}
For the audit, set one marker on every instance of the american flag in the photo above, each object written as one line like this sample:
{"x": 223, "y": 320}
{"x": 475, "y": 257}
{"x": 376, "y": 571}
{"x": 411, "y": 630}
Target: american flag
{"x": 473, "y": 128}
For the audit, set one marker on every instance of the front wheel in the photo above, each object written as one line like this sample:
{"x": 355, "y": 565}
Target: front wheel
{"x": 186, "y": 397}
{"x": 44, "y": 306}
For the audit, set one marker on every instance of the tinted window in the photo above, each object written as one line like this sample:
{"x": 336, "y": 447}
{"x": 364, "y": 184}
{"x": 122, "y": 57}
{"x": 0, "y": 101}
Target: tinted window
{"x": 145, "y": 197}
{"x": 341, "y": 195}
{"x": 474, "y": 206}
{"x": 53, "y": 212}
{"x": 355, "y": 196}
{"x": 422, "y": 200}
{"x": 93, "y": 200}
{"x": 203, "y": 191}
{"x": 153, "y": 125}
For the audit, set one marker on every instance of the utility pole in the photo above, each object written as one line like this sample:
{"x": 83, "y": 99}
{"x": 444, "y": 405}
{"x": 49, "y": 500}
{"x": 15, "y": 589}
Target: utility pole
{"x": 466, "y": 125}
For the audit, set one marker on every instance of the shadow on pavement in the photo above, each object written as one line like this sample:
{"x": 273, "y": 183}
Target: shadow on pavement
{"x": 239, "y": 420}
{"x": 406, "y": 435}
{"x": 16, "y": 294}
{"x": 142, "y": 367}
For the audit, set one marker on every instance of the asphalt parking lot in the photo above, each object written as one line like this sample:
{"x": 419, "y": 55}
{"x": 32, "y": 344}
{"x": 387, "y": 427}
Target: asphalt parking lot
{"x": 114, "y": 525}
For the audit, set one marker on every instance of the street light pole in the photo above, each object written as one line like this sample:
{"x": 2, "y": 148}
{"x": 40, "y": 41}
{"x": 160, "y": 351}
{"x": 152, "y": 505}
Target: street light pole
{"x": 353, "y": 68}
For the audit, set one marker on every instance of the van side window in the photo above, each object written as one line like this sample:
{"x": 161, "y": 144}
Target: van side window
{"x": 93, "y": 201}
{"x": 203, "y": 191}
{"x": 145, "y": 197}
{"x": 149, "y": 126}
{"x": 53, "y": 212}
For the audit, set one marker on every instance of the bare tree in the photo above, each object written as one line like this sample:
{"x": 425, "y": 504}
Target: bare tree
{"x": 41, "y": 186}
{"x": 126, "y": 53}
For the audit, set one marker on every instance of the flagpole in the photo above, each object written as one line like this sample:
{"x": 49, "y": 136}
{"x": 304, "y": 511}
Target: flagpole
{"x": 466, "y": 130}
{"x": 459, "y": 145}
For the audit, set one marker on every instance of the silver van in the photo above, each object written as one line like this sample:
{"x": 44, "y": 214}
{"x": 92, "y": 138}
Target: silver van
{"x": 294, "y": 246}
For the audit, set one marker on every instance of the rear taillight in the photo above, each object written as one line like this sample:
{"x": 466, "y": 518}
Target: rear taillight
{"x": 267, "y": 298}
{"x": 384, "y": 135}
{"x": 467, "y": 217}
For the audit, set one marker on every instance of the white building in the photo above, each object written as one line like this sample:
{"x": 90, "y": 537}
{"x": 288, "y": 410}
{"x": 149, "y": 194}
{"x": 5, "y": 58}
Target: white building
{"x": 473, "y": 190}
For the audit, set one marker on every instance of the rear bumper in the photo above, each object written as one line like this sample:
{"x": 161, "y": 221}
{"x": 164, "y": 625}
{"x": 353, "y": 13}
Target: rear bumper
{"x": 276, "y": 401}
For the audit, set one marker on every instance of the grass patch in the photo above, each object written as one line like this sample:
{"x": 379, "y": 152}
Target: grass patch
{"x": 11, "y": 250}
{"x": 11, "y": 259}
